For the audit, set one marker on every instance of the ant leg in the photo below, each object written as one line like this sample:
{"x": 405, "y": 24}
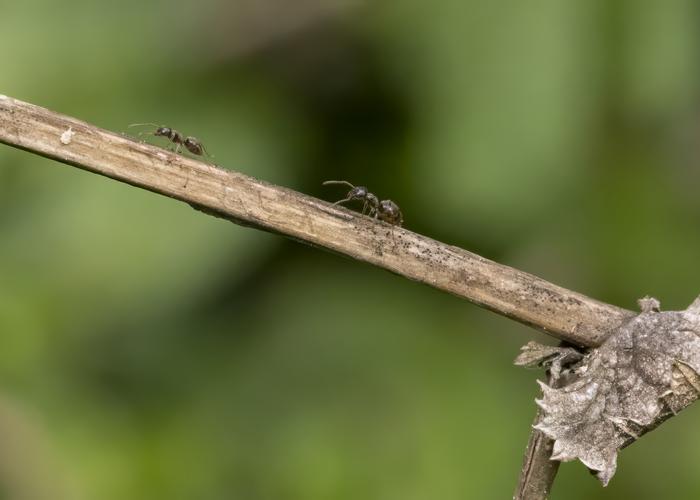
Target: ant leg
{"x": 206, "y": 153}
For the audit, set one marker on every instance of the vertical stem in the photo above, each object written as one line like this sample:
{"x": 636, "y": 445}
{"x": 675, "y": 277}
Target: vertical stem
{"x": 538, "y": 471}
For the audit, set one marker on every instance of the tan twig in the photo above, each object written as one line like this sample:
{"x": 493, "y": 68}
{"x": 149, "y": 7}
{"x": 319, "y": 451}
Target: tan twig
{"x": 242, "y": 199}
{"x": 538, "y": 472}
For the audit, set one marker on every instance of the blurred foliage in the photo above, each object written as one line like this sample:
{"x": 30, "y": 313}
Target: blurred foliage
{"x": 151, "y": 352}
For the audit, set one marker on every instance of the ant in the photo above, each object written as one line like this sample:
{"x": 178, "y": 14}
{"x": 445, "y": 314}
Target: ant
{"x": 385, "y": 210}
{"x": 191, "y": 143}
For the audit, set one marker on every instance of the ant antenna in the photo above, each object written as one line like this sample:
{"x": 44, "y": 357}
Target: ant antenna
{"x": 339, "y": 202}
{"x": 142, "y": 124}
{"x": 327, "y": 183}
{"x": 355, "y": 193}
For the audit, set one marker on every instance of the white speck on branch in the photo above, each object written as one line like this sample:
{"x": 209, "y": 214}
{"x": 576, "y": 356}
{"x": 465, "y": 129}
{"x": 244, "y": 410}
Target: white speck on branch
{"x": 67, "y": 136}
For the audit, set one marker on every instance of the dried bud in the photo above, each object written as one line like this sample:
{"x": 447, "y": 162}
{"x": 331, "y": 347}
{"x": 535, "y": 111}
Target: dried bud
{"x": 645, "y": 370}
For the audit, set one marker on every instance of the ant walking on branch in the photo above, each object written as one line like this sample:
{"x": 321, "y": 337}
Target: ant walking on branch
{"x": 385, "y": 210}
{"x": 192, "y": 144}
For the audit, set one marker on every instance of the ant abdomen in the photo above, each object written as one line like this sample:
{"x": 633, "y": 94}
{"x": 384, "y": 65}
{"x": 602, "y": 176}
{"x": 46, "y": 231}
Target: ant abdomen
{"x": 194, "y": 146}
{"x": 390, "y": 212}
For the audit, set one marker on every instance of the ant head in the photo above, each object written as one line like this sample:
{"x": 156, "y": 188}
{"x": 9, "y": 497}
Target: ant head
{"x": 164, "y": 131}
{"x": 358, "y": 193}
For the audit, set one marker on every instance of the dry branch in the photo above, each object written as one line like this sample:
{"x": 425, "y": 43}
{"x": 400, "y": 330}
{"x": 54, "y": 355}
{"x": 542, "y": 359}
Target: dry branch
{"x": 538, "y": 471}
{"x": 567, "y": 315}
{"x": 564, "y": 314}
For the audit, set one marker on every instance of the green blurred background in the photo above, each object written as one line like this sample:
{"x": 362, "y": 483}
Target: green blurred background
{"x": 149, "y": 351}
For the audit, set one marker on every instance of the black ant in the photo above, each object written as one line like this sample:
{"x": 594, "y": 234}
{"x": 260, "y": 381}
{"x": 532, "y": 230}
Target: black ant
{"x": 191, "y": 143}
{"x": 385, "y": 210}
